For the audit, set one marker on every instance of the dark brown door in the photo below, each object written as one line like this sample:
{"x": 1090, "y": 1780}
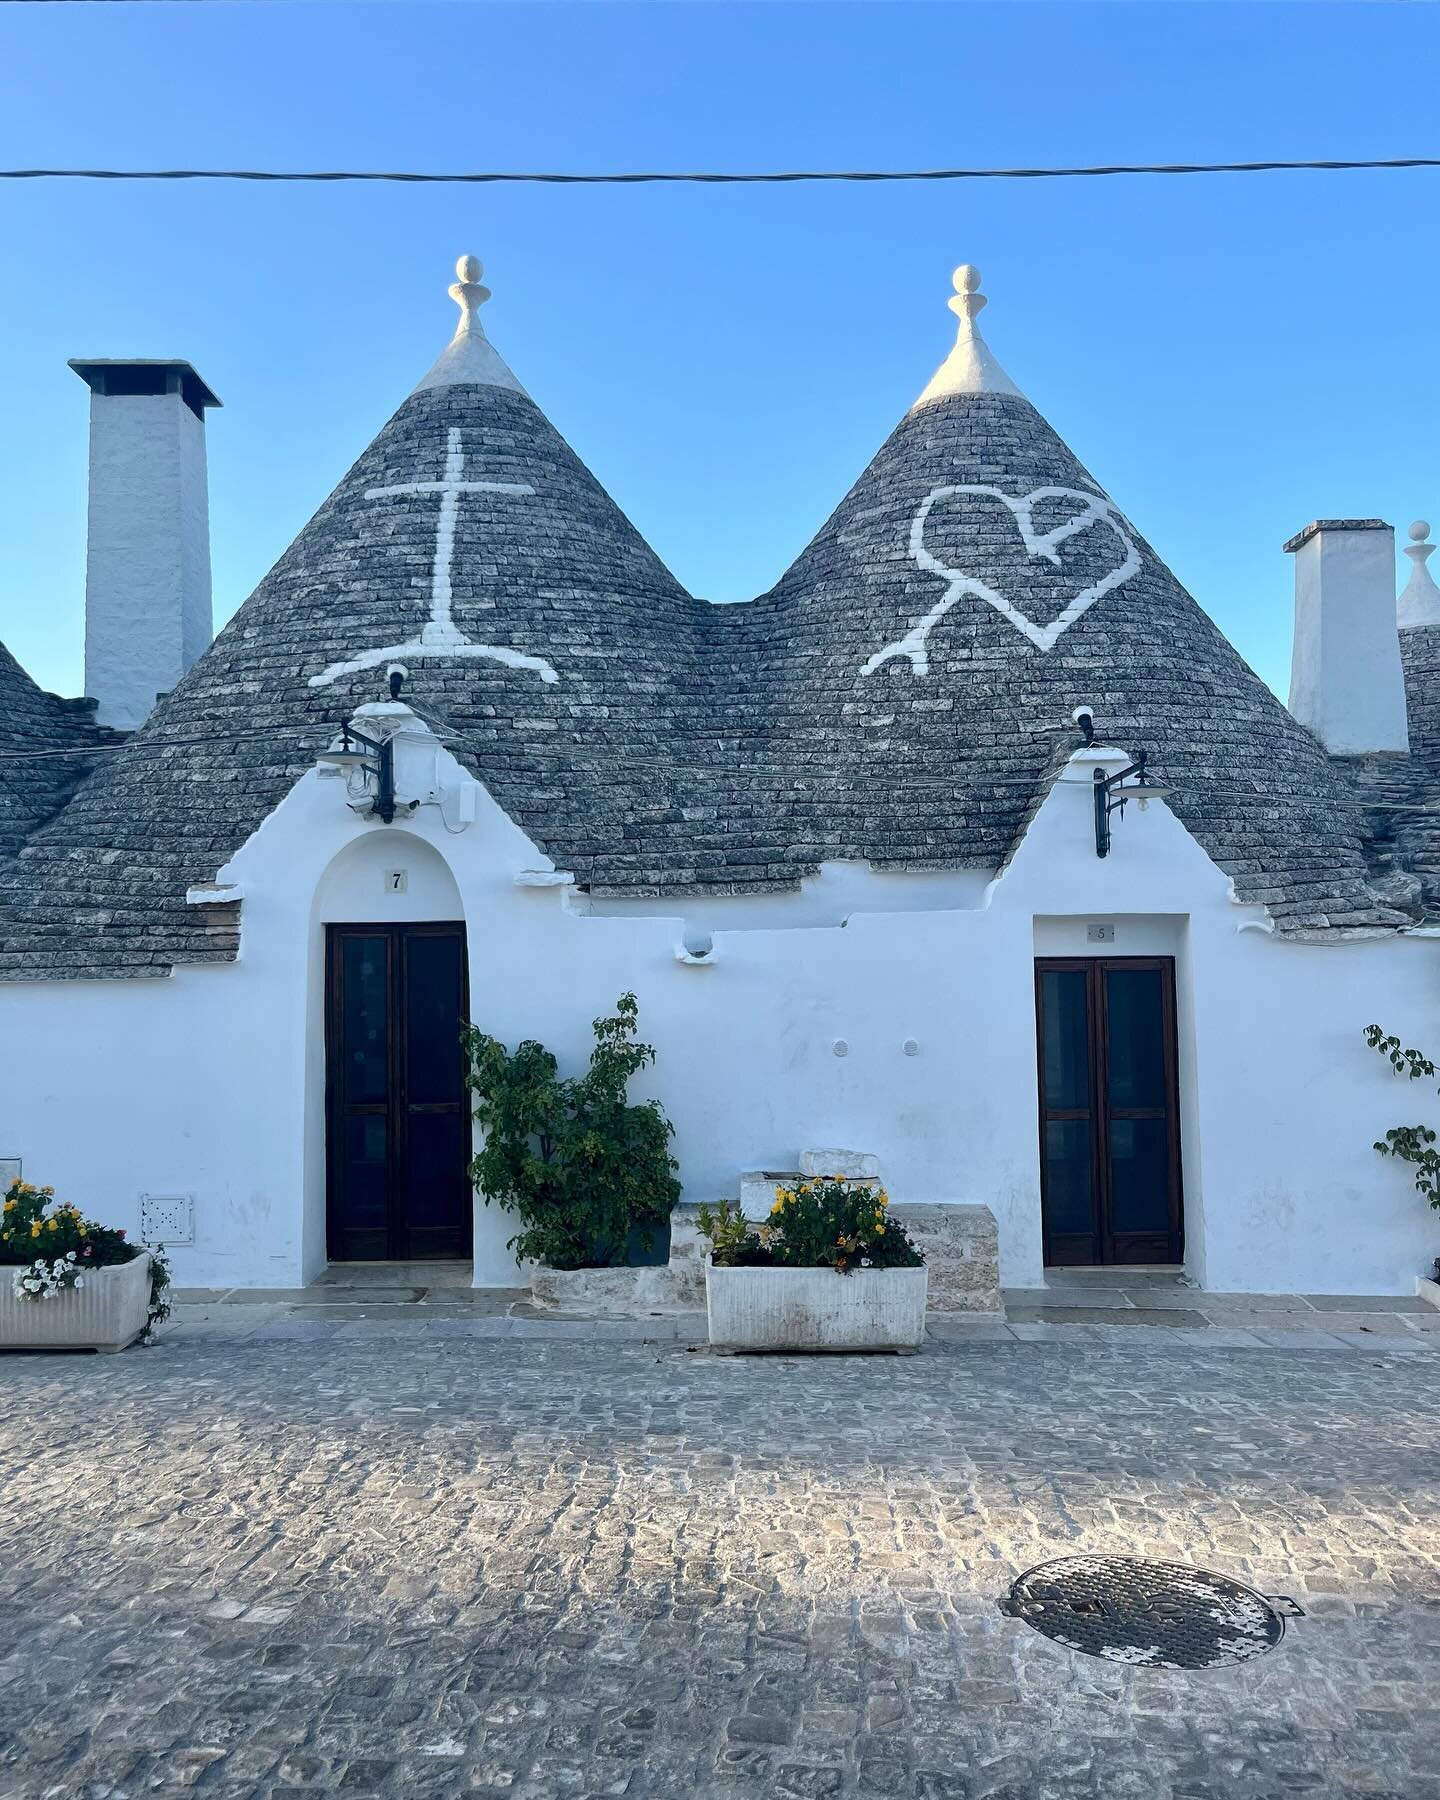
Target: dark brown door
{"x": 1109, "y": 1110}
{"x": 398, "y": 1121}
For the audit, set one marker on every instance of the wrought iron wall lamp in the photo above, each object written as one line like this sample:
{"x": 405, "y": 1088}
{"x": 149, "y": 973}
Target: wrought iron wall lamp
{"x": 372, "y": 757}
{"x": 1111, "y": 793}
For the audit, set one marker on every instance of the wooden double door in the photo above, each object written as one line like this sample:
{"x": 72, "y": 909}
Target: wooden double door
{"x": 397, "y": 1113}
{"x": 1109, "y": 1110}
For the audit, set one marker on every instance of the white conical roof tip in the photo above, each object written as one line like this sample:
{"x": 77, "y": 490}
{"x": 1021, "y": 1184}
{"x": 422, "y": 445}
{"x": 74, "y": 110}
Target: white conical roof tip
{"x": 468, "y": 293}
{"x": 470, "y": 359}
{"x": 970, "y": 367}
{"x": 968, "y": 299}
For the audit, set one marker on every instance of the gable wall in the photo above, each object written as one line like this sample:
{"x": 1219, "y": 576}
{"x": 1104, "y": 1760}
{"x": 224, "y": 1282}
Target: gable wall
{"x": 211, "y": 1081}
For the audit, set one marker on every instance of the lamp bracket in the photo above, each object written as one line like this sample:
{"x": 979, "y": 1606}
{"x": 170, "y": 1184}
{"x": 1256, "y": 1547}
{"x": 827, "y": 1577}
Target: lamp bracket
{"x": 378, "y": 759}
{"x": 1105, "y": 804}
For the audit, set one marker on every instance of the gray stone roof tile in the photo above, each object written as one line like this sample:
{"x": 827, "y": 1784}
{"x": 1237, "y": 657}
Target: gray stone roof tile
{"x": 35, "y": 780}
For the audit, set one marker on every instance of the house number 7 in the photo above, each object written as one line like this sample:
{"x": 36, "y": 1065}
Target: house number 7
{"x": 396, "y": 881}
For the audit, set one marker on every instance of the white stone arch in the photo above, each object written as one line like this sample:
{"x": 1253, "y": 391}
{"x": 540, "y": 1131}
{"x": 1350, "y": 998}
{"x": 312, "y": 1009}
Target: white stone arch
{"x": 353, "y": 889}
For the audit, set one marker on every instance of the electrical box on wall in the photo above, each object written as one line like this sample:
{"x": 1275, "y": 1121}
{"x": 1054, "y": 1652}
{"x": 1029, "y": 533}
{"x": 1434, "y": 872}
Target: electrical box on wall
{"x": 167, "y": 1219}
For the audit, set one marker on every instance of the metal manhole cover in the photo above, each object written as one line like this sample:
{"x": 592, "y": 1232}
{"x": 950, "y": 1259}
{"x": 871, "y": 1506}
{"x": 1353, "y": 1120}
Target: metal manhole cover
{"x": 1159, "y": 1615}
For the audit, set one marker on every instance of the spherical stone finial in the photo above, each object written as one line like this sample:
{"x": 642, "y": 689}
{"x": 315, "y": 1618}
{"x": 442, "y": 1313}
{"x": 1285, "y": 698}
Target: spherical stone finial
{"x": 468, "y": 293}
{"x": 968, "y": 299}
{"x": 1419, "y": 602}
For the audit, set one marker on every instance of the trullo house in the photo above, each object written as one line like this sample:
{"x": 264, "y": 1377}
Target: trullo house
{"x": 844, "y": 842}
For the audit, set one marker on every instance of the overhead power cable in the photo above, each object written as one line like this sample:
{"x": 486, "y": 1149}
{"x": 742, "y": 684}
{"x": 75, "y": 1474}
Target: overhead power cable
{"x": 717, "y": 177}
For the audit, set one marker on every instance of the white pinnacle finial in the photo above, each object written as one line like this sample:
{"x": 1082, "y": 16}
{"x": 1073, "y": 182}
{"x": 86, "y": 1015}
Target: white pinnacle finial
{"x": 969, "y": 368}
{"x": 968, "y": 299}
{"x": 470, "y": 359}
{"x": 468, "y": 293}
{"x": 1419, "y": 602}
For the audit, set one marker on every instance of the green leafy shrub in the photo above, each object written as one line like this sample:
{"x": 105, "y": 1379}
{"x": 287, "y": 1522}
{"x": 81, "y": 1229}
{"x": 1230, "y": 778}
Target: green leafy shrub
{"x": 49, "y": 1247}
{"x": 726, "y": 1227}
{"x": 1414, "y": 1144}
{"x": 583, "y": 1169}
{"x": 824, "y": 1223}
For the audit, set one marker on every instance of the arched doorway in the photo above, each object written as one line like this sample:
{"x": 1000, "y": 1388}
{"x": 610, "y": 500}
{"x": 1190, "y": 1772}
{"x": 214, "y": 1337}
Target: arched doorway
{"x": 397, "y": 1115}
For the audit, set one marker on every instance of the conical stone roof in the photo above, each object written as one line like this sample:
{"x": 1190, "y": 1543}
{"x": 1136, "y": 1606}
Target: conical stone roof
{"x": 38, "y": 733}
{"x": 972, "y": 589}
{"x": 468, "y": 543}
{"x": 897, "y": 697}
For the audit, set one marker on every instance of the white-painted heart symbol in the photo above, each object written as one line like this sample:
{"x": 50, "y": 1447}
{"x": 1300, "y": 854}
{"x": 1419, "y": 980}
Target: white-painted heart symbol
{"x": 1095, "y": 510}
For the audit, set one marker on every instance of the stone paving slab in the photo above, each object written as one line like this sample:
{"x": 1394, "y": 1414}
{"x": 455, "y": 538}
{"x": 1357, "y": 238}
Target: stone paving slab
{"x": 1072, "y": 1302}
{"x": 279, "y": 1321}
{"x": 408, "y": 1565}
{"x": 1168, "y": 1318}
{"x": 1410, "y": 1303}
{"x": 1209, "y": 1299}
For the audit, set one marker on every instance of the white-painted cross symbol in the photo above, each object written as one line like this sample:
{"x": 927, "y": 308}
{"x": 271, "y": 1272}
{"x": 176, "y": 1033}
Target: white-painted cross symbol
{"x": 441, "y": 636}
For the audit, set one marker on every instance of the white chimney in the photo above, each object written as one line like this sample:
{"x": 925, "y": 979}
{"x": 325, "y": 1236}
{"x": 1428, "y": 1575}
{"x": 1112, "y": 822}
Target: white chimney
{"x": 147, "y": 568}
{"x": 1346, "y": 683}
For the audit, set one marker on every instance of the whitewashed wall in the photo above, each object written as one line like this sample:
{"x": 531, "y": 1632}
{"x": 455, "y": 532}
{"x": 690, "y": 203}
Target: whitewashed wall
{"x": 211, "y": 1081}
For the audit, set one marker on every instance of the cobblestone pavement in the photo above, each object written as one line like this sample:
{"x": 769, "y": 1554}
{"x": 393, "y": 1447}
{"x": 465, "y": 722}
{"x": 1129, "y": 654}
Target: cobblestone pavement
{"x": 426, "y": 1565}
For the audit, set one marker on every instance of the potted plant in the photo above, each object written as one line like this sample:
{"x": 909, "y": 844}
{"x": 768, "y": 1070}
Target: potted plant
{"x": 589, "y": 1174}
{"x": 67, "y": 1283}
{"x": 828, "y": 1270}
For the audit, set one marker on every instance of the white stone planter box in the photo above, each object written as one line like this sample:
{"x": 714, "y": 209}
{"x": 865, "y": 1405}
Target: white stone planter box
{"x": 815, "y": 1309}
{"x": 1427, "y": 1289}
{"x": 108, "y": 1313}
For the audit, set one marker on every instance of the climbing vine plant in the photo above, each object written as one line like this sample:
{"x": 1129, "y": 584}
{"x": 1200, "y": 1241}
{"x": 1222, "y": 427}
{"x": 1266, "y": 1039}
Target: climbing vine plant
{"x": 1414, "y": 1144}
{"x": 581, "y": 1167}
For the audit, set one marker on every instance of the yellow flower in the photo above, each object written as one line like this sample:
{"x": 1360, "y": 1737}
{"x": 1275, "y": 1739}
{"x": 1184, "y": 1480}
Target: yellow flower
{"x": 50, "y": 1224}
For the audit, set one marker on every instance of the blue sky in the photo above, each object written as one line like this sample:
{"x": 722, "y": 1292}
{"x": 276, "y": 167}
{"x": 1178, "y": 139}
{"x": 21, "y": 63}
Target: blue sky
{"x": 1230, "y": 356}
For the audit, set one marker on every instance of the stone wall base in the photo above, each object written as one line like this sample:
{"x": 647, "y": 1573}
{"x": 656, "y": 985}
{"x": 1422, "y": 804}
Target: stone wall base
{"x": 678, "y": 1286}
{"x": 961, "y": 1246}
{"x": 962, "y": 1251}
